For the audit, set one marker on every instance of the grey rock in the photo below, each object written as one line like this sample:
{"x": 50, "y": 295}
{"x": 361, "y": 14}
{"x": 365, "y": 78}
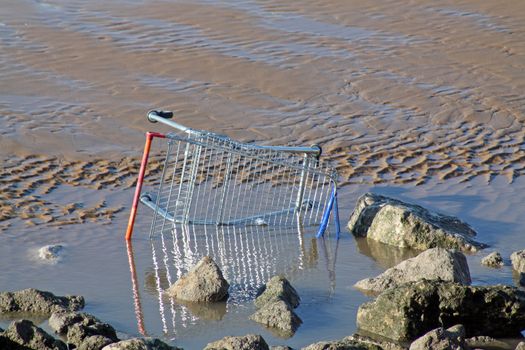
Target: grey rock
{"x": 38, "y": 302}
{"x": 247, "y": 342}
{"x": 60, "y": 321}
{"x": 520, "y": 346}
{"x": 485, "y": 342}
{"x": 494, "y": 259}
{"x": 412, "y": 309}
{"x": 204, "y": 283}
{"x": 51, "y": 252}
{"x": 278, "y": 288}
{"x": 26, "y": 335}
{"x": 78, "y": 332}
{"x": 278, "y": 314}
{"x": 140, "y": 344}
{"x": 518, "y": 261}
{"x": 405, "y": 225}
{"x": 435, "y": 263}
{"x": 343, "y": 344}
{"x": 95, "y": 342}
{"x": 441, "y": 339}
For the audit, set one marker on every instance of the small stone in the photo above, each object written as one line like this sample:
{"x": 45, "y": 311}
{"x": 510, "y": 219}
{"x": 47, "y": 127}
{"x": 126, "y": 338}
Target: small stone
{"x": 203, "y": 283}
{"x": 405, "y": 225}
{"x": 278, "y": 288}
{"x": 29, "y": 336}
{"x": 140, "y": 344}
{"x": 278, "y": 314}
{"x": 343, "y": 344}
{"x": 518, "y": 261}
{"x": 38, "y": 302}
{"x": 485, "y": 342}
{"x": 494, "y": 259}
{"x": 50, "y": 252}
{"x": 441, "y": 339}
{"x": 95, "y": 342}
{"x": 247, "y": 342}
{"x": 432, "y": 264}
{"x": 77, "y": 333}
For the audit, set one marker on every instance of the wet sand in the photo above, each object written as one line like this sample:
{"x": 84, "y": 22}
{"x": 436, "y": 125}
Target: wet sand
{"x": 421, "y": 100}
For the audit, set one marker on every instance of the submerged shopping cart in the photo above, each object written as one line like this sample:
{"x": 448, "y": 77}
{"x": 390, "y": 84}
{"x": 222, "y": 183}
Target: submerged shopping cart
{"x": 210, "y": 179}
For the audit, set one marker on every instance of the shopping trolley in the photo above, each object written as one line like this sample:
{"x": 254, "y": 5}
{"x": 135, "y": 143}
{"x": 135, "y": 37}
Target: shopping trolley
{"x": 210, "y": 179}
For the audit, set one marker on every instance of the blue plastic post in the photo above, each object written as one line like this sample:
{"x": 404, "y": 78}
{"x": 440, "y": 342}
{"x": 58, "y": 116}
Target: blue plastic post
{"x": 326, "y": 214}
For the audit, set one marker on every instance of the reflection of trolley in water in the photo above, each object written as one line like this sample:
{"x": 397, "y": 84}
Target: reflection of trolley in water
{"x": 258, "y": 199}
{"x": 248, "y": 255}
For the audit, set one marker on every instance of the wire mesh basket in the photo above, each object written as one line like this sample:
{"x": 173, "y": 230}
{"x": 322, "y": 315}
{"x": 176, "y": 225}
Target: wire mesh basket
{"x": 211, "y": 179}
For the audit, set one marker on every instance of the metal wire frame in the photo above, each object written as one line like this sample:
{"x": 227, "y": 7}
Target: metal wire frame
{"x": 210, "y": 180}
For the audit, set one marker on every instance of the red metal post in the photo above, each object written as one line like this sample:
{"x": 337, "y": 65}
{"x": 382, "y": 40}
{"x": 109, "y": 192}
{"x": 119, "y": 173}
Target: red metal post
{"x": 140, "y": 180}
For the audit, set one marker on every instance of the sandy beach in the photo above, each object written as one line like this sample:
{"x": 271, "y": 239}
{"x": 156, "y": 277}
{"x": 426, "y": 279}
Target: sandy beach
{"x": 419, "y": 100}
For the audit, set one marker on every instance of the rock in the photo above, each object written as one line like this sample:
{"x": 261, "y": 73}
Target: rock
{"x": 78, "y": 332}
{"x": 343, "y": 344}
{"x": 140, "y": 344}
{"x": 60, "y": 321}
{"x": 404, "y": 225}
{"x": 247, "y": 342}
{"x": 383, "y": 343}
{"x": 38, "y": 302}
{"x": 494, "y": 259}
{"x": 518, "y": 260}
{"x": 204, "y": 283}
{"x": 412, "y": 309}
{"x": 95, "y": 342}
{"x": 278, "y": 288}
{"x": 278, "y": 314}
{"x": 440, "y": 338}
{"x": 521, "y": 279}
{"x": 520, "y": 346}
{"x": 50, "y": 252}
{"x": 435, "y": 263}
{"x": 485, "y": 342}
{"x": 280, "y": 347}
{"x": 25, "y": 334}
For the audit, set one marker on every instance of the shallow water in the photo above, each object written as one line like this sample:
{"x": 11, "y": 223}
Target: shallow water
{"x": 419, "y": 101}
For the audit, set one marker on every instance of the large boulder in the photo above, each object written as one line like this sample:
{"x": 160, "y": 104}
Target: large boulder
{"x": 140, "y": 344}
{"x": 26, "y": 335}
{"x": 441, "y": 339}
{"x": 518, "y": 261}
{"x": 435, "y": 263}
{"x": 38, "y": 302}
{"x": 405, "y": 225}
{"x": 278, "y": 314}
{"x": 278, "y": 288}
{"x": 407, "y": 312}
{"x": 247, "y": 342}
{"x": 203, "y": 283}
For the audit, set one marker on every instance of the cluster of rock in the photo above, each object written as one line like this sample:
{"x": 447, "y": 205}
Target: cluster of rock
{"x": 81, "y": 330}
{"x": 275, "y": 306}
{"x": 427, "y": 301}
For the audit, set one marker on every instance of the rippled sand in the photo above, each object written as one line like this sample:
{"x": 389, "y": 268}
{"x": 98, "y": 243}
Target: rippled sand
{"x": 396, "y": 93}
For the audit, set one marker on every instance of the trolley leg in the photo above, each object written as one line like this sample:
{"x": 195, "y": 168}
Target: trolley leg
{"x": 140, "y": 180}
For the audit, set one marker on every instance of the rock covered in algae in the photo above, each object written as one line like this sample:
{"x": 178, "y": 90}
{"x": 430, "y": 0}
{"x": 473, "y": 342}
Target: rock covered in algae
{"x": 408, "y": 311}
